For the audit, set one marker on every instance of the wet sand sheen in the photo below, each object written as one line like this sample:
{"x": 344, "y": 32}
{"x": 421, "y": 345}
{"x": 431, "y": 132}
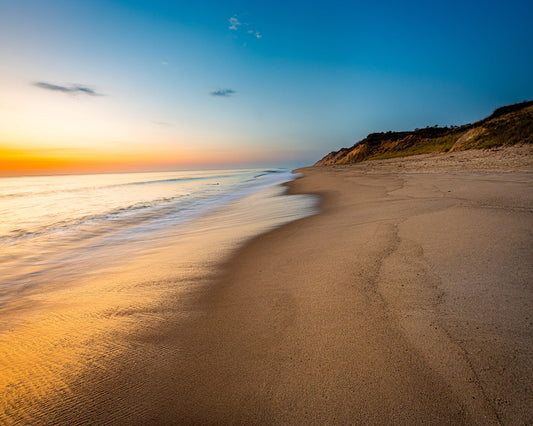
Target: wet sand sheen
{"x": 67, "y": 351}
{"x": 407, "y": 300}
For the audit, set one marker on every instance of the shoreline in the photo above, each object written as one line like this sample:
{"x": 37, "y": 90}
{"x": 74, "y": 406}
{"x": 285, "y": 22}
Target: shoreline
{"x": 405, "y": 300}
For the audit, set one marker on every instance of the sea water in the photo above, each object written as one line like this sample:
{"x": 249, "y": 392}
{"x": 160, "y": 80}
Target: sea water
{"x": 56, "y": 229}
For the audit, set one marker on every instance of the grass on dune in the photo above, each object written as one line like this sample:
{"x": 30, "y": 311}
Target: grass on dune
{"x": 441, "y": 144}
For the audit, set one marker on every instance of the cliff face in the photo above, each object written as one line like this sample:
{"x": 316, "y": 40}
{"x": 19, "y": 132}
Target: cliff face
{"x": 507, "y": 125}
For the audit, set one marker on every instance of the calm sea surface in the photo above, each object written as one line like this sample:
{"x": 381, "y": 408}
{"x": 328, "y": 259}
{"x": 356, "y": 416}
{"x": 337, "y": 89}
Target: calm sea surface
{"x": 55, "y": 228}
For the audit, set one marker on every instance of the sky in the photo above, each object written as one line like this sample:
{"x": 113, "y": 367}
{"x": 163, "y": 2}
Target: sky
{"x": 116, "y": 85}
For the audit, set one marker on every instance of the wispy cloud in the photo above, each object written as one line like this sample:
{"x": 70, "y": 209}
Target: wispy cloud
{"x": 256, "y": 34}
{"x": 235, "y": 23}
{"x": 224, "y": 93}
{"x": 163, "y": 123}
{"x": 73, "y": 89}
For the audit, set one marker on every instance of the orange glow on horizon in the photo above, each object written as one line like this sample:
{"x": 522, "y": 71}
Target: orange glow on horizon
{"x": 24, "y": 162}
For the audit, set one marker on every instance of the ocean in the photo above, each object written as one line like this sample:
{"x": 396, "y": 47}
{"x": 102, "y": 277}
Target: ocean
{"x": 54, "y": 230}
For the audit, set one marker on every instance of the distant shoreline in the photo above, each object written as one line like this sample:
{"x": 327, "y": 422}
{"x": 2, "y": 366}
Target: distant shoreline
{"x": 501, "y": 159}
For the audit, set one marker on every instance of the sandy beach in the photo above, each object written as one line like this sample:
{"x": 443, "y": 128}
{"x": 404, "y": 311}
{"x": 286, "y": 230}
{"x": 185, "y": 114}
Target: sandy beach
{"x": 266, "y": 213}
{"x": 407, "y": 300}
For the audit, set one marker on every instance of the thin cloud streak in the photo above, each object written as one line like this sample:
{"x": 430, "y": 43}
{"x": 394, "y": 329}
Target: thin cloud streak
{"x": 223, "y": 93}
{"x": 73, "y": 89}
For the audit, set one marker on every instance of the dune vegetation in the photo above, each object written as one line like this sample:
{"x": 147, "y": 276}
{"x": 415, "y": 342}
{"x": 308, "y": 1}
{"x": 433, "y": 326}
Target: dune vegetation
{"x": 508, "y": 125}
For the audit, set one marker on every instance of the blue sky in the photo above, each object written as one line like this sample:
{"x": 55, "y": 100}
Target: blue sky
{"x": 252, "y": 82}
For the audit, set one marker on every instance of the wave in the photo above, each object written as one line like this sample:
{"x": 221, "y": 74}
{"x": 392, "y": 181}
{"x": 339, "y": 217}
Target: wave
{"x": 267, "y": 172}
{"x": 140, "y": 212}
{"x": 114, "y": 216}
{"x": 114, "y": 185}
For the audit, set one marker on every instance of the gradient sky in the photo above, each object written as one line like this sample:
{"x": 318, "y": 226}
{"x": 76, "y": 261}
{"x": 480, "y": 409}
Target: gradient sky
{"x": 98, "y": 85}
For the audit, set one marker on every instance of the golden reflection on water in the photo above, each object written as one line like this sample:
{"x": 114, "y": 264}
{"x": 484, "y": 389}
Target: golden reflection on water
{"x": 59, "y": 349}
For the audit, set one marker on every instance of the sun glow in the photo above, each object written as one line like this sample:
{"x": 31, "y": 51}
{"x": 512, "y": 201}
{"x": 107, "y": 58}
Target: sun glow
{"x": 16, "y": 161}
{"x": 44, "y": 133}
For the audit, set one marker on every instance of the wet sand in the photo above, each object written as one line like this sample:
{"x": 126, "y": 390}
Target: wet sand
{"x": 407, "y": 300}
{"x": 97, "y": 349}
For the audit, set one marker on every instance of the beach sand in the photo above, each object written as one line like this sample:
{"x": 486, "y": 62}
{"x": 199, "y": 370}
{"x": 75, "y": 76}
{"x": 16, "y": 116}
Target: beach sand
{"x": 407, "y": 300}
